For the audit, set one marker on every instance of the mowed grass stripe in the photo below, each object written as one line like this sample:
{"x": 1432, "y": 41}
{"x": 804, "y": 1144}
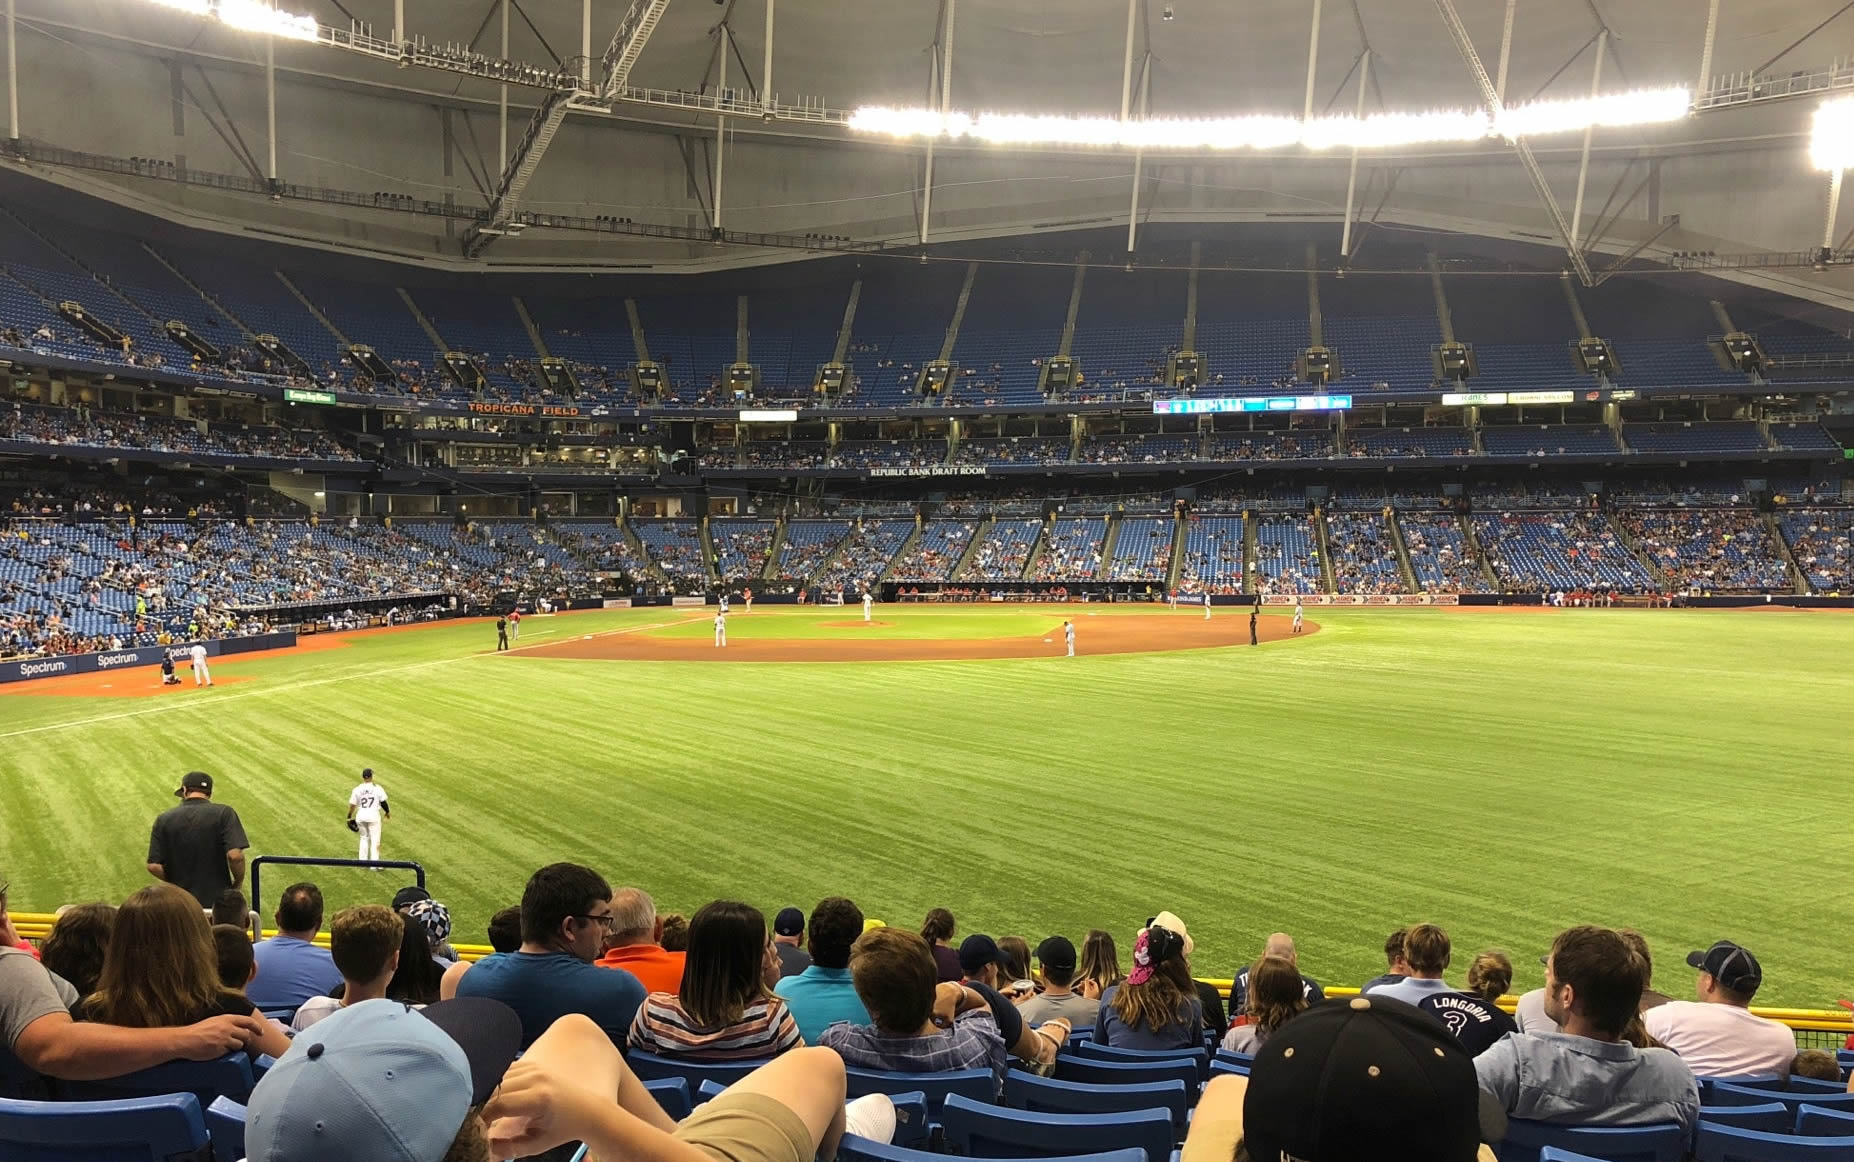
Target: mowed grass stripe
{"x": 1503, "y": 774}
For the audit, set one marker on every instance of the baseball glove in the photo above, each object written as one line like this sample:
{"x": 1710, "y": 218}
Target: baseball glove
{"x": 353, "y": 826}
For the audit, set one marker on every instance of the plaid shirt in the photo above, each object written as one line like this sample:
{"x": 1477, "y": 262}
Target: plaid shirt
{"x": 972, "y": 1043}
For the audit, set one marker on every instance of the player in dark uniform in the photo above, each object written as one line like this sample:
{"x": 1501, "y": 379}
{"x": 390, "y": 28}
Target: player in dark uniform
{"x": 1254, "y": 614}
{"x": 168, "y": 677}
{"x": 502, "y": 633}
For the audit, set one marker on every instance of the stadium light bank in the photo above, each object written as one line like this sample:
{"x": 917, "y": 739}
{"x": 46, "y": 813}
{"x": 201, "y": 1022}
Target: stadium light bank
{"x": 248, "y": 16}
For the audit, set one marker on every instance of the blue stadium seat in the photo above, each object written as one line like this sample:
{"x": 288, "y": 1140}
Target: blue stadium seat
{"x": 979, "y": 1130}
{"x": 1760, "y": 1081}
{"x": 1821, "y": 1122}
{"x": 651, "y": 1067}
{"x": 672, "y": 1093}
{"x": 935, "y": 1088}
{"x": 912, "y": 1125}
{"x": 1727, "y": 1095}
{"x": 1234, "y": 1058}
{"x": 1079, "y": 1035}
{"x": 1099, "y": 1071}
{"x": 142, "y": 1129}
{"x": 1730, "y": 1144}
{"x": 1772, "y": 1117}
{"x": 1525, "y": 1139}
{"x": 1109, "y": 1053}
{"x": 228, "y": 1076}
{"x": 1027, "y": 1091}
{"x": 1219, "y": 1067}
{"x": 225, "y": 1122}
{"x": 1799, "y": 1084}
{"x": 855, "y": 1149}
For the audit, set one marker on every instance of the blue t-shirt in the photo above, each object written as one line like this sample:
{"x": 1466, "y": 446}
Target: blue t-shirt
{"x": 1186, "y": 1033}
{"x": 542, "y": 987}
{"x": 819, "y": 998}
{"x": 289, "y": 972}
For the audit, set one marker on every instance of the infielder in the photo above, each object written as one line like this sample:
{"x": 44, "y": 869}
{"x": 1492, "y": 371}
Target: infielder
{"x": 724, "y": 603}
{"x": 746, "y": 595}
{"x": 201, "y": 675}
{"x": 1206, "y": 605}
{"x": 1068, "y": 632}
{"x": 868, "y": 603}
{"x": 1173, "y": 597}
{"x": 514, "y": 625}
{"x": 367, "y": 805}
{"x": 721, "y": 628}
{"x": 1297, "y": 615}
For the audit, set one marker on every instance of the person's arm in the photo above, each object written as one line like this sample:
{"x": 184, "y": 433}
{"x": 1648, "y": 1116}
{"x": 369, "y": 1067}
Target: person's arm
{"x": 1216, "y": 1127}
{"x": 273, "y": 1041}
{"x": 232, "y": 835}
{"x": 235, "y": 864}
{"x": 353, "y": 802}
{"x": 386, "y": 808}
{"x": 453, "y": 976}
{"x": 68, "y": 1050}
{"x": 1497, "y": 1069}
{"x": 157, "y": 854}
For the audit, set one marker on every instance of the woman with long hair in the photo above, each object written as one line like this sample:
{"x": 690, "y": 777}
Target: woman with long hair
{"x": 1276, "y": 996}
{"x": 725, "y": 1010}
{"x": 937, "y": 930}
{"x": 418, "y": 977}
{"x": 78, "y": 943}
{"x": 162, "y": 970}
{"x": 1100, "y": 965}
{"x": 1016, "y": 965}
{"x": 1156, "y": 1007}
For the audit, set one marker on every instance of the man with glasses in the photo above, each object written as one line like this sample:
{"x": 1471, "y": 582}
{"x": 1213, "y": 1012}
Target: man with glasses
{"x": 566, "y": 915}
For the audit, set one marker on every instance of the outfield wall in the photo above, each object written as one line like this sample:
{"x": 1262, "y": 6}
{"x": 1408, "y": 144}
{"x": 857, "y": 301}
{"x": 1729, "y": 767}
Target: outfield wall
{"x": 31, "y": 669}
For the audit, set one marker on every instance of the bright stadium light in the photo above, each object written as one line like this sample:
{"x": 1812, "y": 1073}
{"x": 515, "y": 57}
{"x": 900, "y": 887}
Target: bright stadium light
{"x": 259, "y": 16}
{"x": 1831, "y": 138}
{"x": 193, "y": 7}
{"x": 1264, "y": 131}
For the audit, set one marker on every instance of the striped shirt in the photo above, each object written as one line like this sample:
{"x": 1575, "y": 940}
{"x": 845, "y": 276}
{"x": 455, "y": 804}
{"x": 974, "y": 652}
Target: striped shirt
{"x": 765, "y": 1029}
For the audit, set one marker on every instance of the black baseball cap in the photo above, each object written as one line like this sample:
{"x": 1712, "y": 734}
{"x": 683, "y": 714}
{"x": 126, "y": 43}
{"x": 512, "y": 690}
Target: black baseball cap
{"x": 789, "y": 922}
{"x": 1056, "y": 952}
{"x": 978, "y": 951}
{"x": 366, "y": 772}
{"x": 194, "y": 781}
{"x": 408, "y": 895}
{"x": 1731, "y": 965}
{"x": 1367, "y": 1077}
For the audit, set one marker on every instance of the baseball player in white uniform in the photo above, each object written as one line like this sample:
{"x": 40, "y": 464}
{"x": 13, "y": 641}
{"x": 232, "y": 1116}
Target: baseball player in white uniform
{"x": 868, "y": 603}
{"x": 1068, "y": 632}
{"x": 1206, "y": 605}
{"x": 201, "y": 675}
{"x": 720, "y": 629}
{"x": 724, "y": 603}
{"x": 367, "y": 806}
{"x": 1297, "y": 615}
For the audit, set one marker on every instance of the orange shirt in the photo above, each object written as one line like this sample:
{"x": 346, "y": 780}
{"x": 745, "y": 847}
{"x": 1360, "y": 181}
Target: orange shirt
{"x": 657, "y": 970}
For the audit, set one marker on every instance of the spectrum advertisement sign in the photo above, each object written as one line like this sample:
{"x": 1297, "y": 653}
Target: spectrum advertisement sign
{"x": 1273, "y": 403}
{"x": 26, "y": 669}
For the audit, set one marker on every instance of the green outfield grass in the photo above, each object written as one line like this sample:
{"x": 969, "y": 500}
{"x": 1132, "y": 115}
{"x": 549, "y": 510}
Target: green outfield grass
{"x": 1503, "y": 774}
{"x": 897, "y": 622}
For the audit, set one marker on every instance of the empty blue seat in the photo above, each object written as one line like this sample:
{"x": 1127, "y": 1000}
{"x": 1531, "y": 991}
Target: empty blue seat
{"x": 142, "y": 1129}
{"x": 672, "y": 1093}
{"x": 1798, "y": 1084}
{"x": 1234, "y": 1058}
{"x": 1027, "y": 1091}
{"x": 1773, "y": 1117}
{"x": 1109, "y": 1053}
{"x": 1099, "y": 1071}
{"x": 225, "y": 1123}
{"x": 978, "y": 1130}
{"x": 935, "y": 1088}
{"x": 1731, "y": 1144}
{"x": 228, "y": 1076}
{"x": 1219, "y": 1067}
{"x": 1662, "y": 1143}
{"x": 1553, "y": 1154}
{"x": 1814, "y": 1121}
{"x": 1757, "y": 1081}
{"x": 1730, "y": 1095}
{"x": 855, "y": 1149}
{"x": 651, "y": 1067}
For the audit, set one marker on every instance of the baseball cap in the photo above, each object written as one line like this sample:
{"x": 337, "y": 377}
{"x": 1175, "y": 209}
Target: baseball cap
{"x": 366, "y": 772}
{"x": 1366, "y": 1077}
{"x": 433, "y": 916}
{"x": 1171, "y": 923}
{"x": 194, "y": 781}
{"x": 1056, "y": 952}
{"x": 410, "y": 894}
{"x": 789, "y": 922}
{"x": 1731, "y": 965}
{"x": 977, "y": 951}
{"x": 382, "y": 1081}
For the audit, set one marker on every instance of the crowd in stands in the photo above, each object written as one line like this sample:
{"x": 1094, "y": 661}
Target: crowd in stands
{"x": 1364, "y": 556}
{"x": 1439, "y": 554}
{"x": 936, "y": 552}
{"x": 863, "y": 557}
{"x": 1071, "y": 551}
{"x": 1822, "y": 541}
{"x": 1710, "y": 549}
{"x": 81, "y": 426}
{"x": 1003, "y": 552}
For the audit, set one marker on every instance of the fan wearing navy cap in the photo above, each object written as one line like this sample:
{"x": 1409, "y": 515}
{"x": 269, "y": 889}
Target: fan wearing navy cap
{"x": 788, "y": 941}
{"x": 199, "y": 845}
{"x": 1718, "y": 1035}
{"x": 1350, "y": 1079}
{"x": 979, "y": 960}
{"x": 1055, "y": 969}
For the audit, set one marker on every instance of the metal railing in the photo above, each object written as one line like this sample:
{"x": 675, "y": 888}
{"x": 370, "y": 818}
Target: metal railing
{"x": 1743, "y": 88}
{"x": 262, "y": 861}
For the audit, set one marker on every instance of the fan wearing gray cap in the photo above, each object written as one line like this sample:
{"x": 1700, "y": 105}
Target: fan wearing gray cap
{"x": 1718, "y": 1035}
{"x": 1353, "y": 1078}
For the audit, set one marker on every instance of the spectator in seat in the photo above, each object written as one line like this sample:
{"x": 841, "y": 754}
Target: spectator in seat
{"x": 938, "y": 931}
{"x": 232, "y": 949}
{"x": 1273, "y": 998}
{"x": 1396, "y": 968}
{"x": 1650, "y": 998}
{"x": 918, "y": 1024}
{"x": 1281, "y": 945}
{"x": 724, "y": 1009}
{"x": 1474, "y": 1016}
{"x": 1100, "y": 965}
{"x": 633, "y": 944}
{"x": 1425, "y": 955}
{"x": 1055, "y": 959}
{"x": 234, "y": 909}
{"x": 1156, "y": 1007}
{"x": 162, "y": 970}
{"x": 505, "y": 930}
{"x": 789, "y": 938}
{"x": 1718, "y": 1035}
{"x": 982, "y": 961}
{"x": 1817, "y": 1065}
{"x": 1209, "y": 1000}
{"x": 291, "y": 969}
{"x": 675, "y": 933}
{"x": 566, "y": 911}
{"x": 824, "y": 994}
{"x": 1588, "y": 1075}
{"x": 77, "y": 944}
{"x": 1015, "y": 963}
{"x": 417, "y": 980}
{"x": 366, "y": 941}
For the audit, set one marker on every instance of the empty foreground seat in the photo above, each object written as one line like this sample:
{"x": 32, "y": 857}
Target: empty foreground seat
{"x": 855, "y": 1149}
{"x": 169, "y": 1128}
{"x": 978, "y": 1130}
{"x": 1526, "y": 1139}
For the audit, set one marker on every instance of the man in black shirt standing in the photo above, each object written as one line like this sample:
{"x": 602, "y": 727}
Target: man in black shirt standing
{"x": 199, "y": 845}
{"x": 1254, "y": 612}
{"x": 502, "y": 633}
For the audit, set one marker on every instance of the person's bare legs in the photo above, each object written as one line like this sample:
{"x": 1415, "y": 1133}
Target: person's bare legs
{"x": 810, "y": 1083}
